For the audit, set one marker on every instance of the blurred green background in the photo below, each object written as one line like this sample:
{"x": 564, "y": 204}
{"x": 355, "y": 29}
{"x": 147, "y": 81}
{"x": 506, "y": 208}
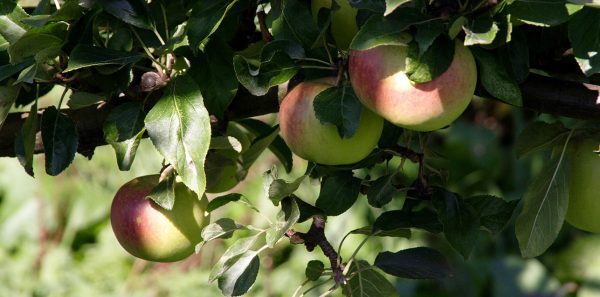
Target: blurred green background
{"x": 56, "y": 240}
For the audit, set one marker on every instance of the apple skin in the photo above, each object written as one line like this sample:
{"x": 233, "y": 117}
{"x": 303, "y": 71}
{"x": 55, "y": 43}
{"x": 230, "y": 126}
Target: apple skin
{"x": 584, "y": 185}
{"x": 151, "y": 232}
{"x": 343, "y": 21}
{"x": 378, "y": 78}
{"x": 311, "y": 140}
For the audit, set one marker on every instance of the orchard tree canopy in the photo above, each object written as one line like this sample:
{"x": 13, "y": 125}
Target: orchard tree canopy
{"x": 366, "y": 88}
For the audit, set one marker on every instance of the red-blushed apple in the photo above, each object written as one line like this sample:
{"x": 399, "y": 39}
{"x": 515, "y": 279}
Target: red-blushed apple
{"x": 343, "y": 21}
{"x": 379, "y": 80}
{"x": 311, "y": 140}
{"x": 151, "y": 232}
{"x": 584, "y": 185}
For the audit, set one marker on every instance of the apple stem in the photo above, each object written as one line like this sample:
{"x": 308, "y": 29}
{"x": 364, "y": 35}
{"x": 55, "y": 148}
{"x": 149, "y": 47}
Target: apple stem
{"x": 340, "y": 75}
{"x": 316, "y": 237}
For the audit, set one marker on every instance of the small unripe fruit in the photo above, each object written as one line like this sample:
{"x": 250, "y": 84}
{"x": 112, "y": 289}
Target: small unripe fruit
{"x": 311, "y": 140}
{"x": 151, "y": 232}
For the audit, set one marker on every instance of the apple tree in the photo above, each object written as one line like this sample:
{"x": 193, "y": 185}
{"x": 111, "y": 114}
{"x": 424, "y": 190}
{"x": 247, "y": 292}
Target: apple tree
{"x": 363, "y": 90}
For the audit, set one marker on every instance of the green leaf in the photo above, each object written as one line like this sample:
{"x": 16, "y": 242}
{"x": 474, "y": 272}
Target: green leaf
{"x": 427, "y": 33}
{"x": 371, "y": 231}
{"x": 280, "y": 189}
{"x": 213, "y": 71}
{"x": 381, "y": 191}
{"x": 164, "y": 193}
{"x": 495, "y": 78}
{"x": 205, "y": 19}
{"x": 338, "y": 193}
{"x": 277, "y": 147}
{"x": 286, "y": 218}
{"x": 274, "y": 67}
{"x": 222, "y": 228}
{"x": 123, "y": 130}
{"x": 590, "y": 3}
{"x": 60, "y": 138}
{"x": 307, "y": 211}
{"x": 133, "y": 12}
{"x": 238, "y": 248}
{"x": 396, "y": 219}
{"x": 432, "y": 63}
{"x": 386, "y": 31}
{"x": 25, "y": 141}
{"x": 179, "y": 127}
{"x": 339, "y": 106}
{"x": 314, "y": 270}
{"x": 544, "y": 207}
{"x": 481, "y": 30}
{"x": 367, "y": 282}
{"x": 414, "y": 263}
{"x": 11, "y": 26}
{"x": 460, "y": 220}
{"x": 584, "y": 34}
{"x": 80, "y": 99}
{"x": 240, "y": 275}
{"x": 542, "y": 12}
{"x": 516, "y": 55}
{"x": 259, "y": 144}
{"x": 8, "y": 70}
{"x": 84, "y": 55}
{"x": 222, "y": 200}
{"x": 457, "y": 26}
{"x": 31, "y": 44}
{"x": 494, "y": 213}
{"x": 391, "y": 5}
{"x": 8, "y": 95}
{"x": 538, "y": 136}
{"x": 294, "y": 23}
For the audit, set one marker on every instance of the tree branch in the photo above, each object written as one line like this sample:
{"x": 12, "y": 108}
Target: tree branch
{"x": 540, "y": 93}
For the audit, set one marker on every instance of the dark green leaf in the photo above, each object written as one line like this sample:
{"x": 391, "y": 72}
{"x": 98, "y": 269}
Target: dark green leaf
{"x": 222, "y": 200}
{"x": 238, "y": 248}
{"x": 391, "y": 5}
{"x": 123, "y": 130}
{"x": 240, "y": 275}
{"x": 395, "y": 219}
{"x": 542, "y": 12}
{"x": 295, "y": 23}
{"x": 31, "y": 44}
{"x": 205, "y": 19}
{"x": 222, "y": 228}
{"x": 25, "y": 142}
{"x": 60, "y": 138}
{"x": 286, "y": 218}
{"x": 367, "y": 282}
{"x": 133, "y": 12}
{"x": 460, "y": 220}
{"x": 368, "y": 230}
{"x": 481, "y": 30}
{"x": 544, "y": 207}
{"x": 516, "y": 55}
{"x": 584, "y": 34}
{"x": 494, "y": 213}
{"x": 307, "y": 211}
{"x": 274, "y": 68}
{"x": 79, "y": 100}
{"x": 427, "y": 33}
{"x": 339, "y": 106}
{"x": 8, "y": 95}
{"x": 213, "y": 72}
{"x": 84, "y": 56}
{"x": 432, "y": 63}
{"x": 8, "y": 70}
{"x": 414, "y": 263}
{"x": 495, "y": 78}
{"x": 314, "y": 270}
{"x": 381, "y": 191}
{"x": 338, "y": 193}
{"x": 258, "y": 146}
{"x": 179, "y": 127}
{"x": 280, "y": 189}
{"x": 277, "y": 147}
{"x": 164, "y": 193}
{"x": 538, "y": 136}
{"x": 386, "y": 31}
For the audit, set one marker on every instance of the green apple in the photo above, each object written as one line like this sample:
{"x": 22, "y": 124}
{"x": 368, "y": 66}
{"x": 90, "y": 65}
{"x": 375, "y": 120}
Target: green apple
{"x": 380, "y": 82}
{"x": 151, "y": 232}
{"x": 584, "y": 185}
{"x": 311, "y": 140}
{"x": 343, "y": 21}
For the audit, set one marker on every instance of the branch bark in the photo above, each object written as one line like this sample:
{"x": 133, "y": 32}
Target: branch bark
{"x": 540, "y": 93}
